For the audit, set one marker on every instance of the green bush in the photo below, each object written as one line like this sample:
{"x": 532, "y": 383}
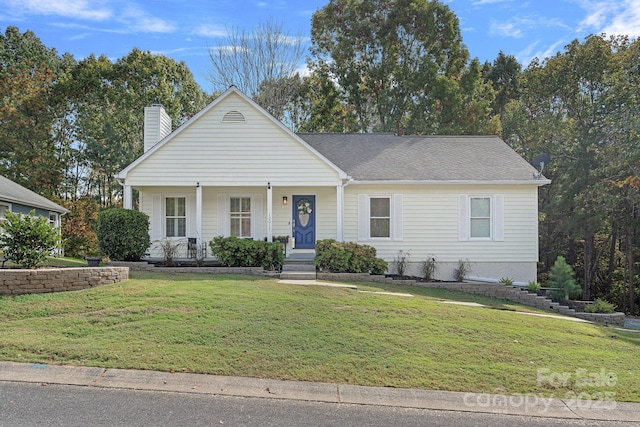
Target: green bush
{"x": 27, "y": 239}
{"x": 533, "y": 286}
{"x": 123, "y": 234}
{"x": 600, "y": 306}
{"x": 236, "y": 252}
{"x": 348, "y": 257}
{"x": 561, "y": 281}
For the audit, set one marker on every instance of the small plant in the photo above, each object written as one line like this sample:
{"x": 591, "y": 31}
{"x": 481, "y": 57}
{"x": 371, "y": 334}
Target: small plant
{"x": 27, "y": 239}
{"x": 428, "y": 268}
{"x": 508, "y": 281}
{"x": 533, "y": 286}
{"x": 170, "y": 251}
{"x": 401, "y": 261}
{"x": 463, "y": 269}
{"x": 600, "y": 306}
{"x": 562, "y": 282}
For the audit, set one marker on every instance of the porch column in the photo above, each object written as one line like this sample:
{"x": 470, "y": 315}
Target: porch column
{"x": 269, "y": 213}
{"x": 127, "y": 197}
{"x": 198, "y": 214}
{"x": 339, "y": 213}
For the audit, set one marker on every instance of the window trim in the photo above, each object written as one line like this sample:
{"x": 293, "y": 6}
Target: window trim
{"x": 491, "y": 217}
{"x": 242, "y": 214}
{"x": 395, "y": 217}
{"x": 496, "y": 219}
{"x": 165, "y": 217}
{"x": 390, "y": 217}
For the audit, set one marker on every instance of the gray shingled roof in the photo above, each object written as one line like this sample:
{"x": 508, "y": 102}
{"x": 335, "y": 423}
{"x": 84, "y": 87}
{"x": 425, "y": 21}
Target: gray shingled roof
{"x": 424, "y": 158}
{"x": 15, "y": 193}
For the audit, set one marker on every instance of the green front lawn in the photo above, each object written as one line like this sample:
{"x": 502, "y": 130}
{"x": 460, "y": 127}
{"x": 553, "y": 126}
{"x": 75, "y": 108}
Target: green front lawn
{"x": 252, "y": 326}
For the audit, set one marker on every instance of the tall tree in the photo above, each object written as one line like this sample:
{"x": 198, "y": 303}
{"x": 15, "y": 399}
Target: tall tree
{"x": 107, "y": 103}
{"x": 261, "y": 57}
{"x": 503, "y": 75}
{"x": 580, "y": 107}
{"x": 29, "y": 105}
{"x": 392, "y": 59}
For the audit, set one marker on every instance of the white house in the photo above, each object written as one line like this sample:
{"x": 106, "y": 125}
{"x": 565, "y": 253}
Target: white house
{"x": 234, "y": 170}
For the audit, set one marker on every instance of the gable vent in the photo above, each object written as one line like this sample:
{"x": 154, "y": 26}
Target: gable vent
{"x": 233, "y": 116}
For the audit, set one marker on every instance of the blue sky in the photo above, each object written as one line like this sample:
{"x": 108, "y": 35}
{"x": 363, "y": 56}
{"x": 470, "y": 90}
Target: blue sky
{"x": 184, "y": 30}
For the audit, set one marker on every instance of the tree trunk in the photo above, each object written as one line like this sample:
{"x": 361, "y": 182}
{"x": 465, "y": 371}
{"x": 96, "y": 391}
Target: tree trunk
{"x": 630, "y": 268}
{"x": 612, "y": 260}
{"x": 588, "y": 260}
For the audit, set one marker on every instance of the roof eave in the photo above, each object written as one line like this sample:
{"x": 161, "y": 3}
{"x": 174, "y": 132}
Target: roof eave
{"x": 537, "y": 182}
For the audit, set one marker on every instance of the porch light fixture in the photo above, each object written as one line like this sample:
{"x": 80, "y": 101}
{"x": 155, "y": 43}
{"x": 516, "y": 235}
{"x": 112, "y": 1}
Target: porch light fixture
{"x": 284, "y": 200}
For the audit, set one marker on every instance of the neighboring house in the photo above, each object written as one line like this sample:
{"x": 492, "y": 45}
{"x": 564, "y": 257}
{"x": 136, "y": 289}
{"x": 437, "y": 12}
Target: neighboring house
{"x": 234, "y": 170}
{"x": 18, "y": 199}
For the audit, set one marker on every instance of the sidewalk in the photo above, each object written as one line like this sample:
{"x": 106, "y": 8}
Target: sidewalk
{"x": 525, "y": 405}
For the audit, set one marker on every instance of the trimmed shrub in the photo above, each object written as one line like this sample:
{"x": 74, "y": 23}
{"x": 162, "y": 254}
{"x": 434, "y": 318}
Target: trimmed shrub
{"x": 123, "y": 234}
{"x": 27, "y": 239}
{"x": 348, "y": 257}
{"x": 236, "y": 252}
{"x": 600, "y": 306}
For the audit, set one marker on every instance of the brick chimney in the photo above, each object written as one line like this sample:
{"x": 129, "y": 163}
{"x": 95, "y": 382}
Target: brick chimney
{"x": 157, "y": 125}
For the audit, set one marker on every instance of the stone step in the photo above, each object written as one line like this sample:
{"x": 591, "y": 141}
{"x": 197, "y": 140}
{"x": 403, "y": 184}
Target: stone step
{"x": 310, "y": 268}
{"x": 298, "y": 275}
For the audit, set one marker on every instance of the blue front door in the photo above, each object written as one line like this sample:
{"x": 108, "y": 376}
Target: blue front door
{"x": 304, "y": 221}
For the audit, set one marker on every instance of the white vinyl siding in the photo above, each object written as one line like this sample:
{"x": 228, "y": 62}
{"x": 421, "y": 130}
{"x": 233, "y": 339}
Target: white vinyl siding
{"x": 431, "y": 226}
{"x": 241, "y": 154}
{"x": 380, "y": 217}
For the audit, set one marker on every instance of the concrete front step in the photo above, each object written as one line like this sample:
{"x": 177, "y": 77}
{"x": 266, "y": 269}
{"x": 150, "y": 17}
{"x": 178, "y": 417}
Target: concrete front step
{"x": 298, "y": 275}
{"x": 287, "y": 267}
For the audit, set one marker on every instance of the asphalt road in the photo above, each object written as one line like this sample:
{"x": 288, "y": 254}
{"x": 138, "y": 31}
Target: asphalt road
{"x": 29, "y": 404}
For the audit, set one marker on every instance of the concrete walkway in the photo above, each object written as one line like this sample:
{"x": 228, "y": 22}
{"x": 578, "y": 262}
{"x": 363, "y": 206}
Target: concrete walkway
{"x": 525, "y": 405}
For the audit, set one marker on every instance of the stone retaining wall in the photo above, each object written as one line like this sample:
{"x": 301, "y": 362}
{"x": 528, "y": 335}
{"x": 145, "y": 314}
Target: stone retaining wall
{"x": 38, "y": 281}
{"x": 145, "y": 266}
{"x": 493, "y": 290}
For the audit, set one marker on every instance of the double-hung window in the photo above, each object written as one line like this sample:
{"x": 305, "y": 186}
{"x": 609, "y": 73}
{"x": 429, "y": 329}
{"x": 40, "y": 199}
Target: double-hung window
{"x": 481, "y": 217}
{"x": 175, "y": 216}
{"x": 380, "y": 217}
{"x": 240, "y": 216}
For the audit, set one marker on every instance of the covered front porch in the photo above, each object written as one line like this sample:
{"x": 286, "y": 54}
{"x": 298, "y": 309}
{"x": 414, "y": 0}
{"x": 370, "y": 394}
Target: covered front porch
{"x": 190, "y": 217}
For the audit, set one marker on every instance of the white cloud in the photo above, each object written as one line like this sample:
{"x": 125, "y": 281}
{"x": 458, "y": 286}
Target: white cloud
{"x": 138, "y": 20}
{"x": 505, "y": 29}
{"x": 526, "y": 55}
{"x": 77, "y": 9}
{"x": 613, "y": 18}
{"x": 517, "y": 26}
{"x": 211, "y": 31}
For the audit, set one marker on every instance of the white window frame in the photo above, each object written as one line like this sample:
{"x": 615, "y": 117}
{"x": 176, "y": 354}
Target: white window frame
{"x": 166, "y": 217}
{"x": 395, "y": 217}
{"x": 224, "y": 214}
{"x": 241, "y": 215}
{"x": 390, "y": 217}
{"x": 496, "y": 217}
{"x": 490, "y": 218}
